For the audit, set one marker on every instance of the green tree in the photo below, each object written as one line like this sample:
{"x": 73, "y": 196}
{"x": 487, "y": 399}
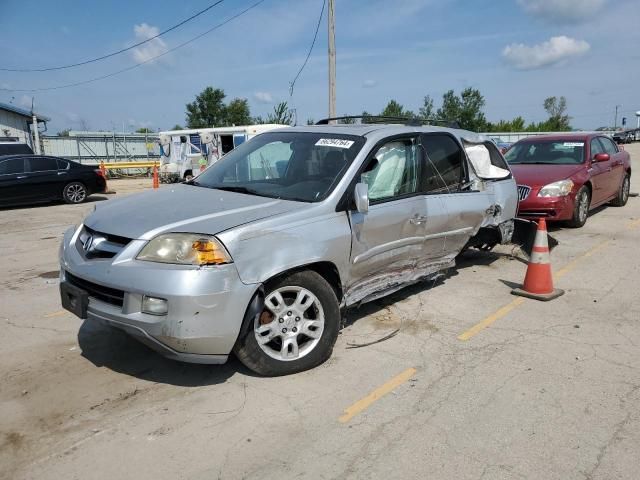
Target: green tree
{"x": 207, "y": 110}
{"x": 177, "y": 126}
{"x": 281, "y": 115}
{"x": 427, "y": 109}
{"x": 466, "y": 109}
{"x": 237, "y": 112}
{"x": 394, "y": 109}
{"x": 348, "y": 120}
{"x": 144, "y": 130}
{"x": 557, "y": 110}
{"x": 64, "y": 133}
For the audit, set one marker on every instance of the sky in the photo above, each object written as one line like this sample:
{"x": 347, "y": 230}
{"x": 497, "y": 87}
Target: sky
{"x": 516, "y": 52}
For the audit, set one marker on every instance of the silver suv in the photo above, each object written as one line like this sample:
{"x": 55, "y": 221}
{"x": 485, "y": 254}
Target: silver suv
{"x": 260, "y": 252}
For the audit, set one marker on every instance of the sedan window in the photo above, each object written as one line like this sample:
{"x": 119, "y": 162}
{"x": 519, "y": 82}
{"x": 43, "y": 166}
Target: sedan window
{"x": 554, "y": 152}
{"x": 609, "y": 146}
{"x": 596, "y": 147}
{"x": 12, "y": 166}
{"x": 42, "y": 164}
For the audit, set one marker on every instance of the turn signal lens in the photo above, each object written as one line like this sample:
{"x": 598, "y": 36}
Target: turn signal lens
{"x": 209, "y": 253}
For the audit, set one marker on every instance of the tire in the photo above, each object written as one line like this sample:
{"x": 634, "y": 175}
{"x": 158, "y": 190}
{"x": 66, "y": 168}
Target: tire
{"x": 623, "y": 193}
{"x": 294, "y": 338}
{"x": 581, "y": 208}
{"x": 74, "y": 193}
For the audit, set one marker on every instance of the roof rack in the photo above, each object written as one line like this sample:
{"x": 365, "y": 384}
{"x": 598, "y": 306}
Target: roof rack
{"x": 410, "y": 121}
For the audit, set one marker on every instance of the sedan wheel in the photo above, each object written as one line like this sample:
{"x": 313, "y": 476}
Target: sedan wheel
{"x": 74, "y": 192}
{"x": 581, "y": 208}
{"x": 295, "y": 330}
{"x": 623, "y": 193}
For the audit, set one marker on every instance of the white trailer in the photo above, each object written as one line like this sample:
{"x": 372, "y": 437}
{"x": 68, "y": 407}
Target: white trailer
{"x": 185, "y": 153}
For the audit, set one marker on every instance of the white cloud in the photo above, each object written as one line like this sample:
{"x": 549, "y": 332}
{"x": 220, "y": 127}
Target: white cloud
{"x": 369, "y": 84}
{"x": 555, "y": 50}
{"x": 563, "y": 11}
{"x": 151, "y": 49}
{"x": 263, "y": 97}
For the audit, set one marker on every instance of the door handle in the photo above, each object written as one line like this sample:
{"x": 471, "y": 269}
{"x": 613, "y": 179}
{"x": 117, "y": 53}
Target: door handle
{"x": 417, "y": 220}
{"x": 62, "y": 173}
{"x": 21, "y": 177}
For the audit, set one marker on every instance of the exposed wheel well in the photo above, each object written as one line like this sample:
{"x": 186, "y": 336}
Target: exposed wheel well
{"x": 187, "y": 172}
{"x": 590, "y": 187}
{"x": 326, "y": 270}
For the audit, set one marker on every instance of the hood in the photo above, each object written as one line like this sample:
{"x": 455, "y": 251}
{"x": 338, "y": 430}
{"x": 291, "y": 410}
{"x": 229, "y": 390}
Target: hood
{"x": 540, "y": 175}
{"x": 183, "y": 208}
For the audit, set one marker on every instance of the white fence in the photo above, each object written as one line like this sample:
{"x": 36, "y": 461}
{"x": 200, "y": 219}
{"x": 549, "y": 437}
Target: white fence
{"x": 94, "y": 147}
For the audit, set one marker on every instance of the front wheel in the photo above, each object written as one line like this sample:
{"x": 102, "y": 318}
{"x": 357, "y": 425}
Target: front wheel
{"x": 623, "y": 193}
{"x": 297, "y": 328}
{"x": 580, "y": 208}
{"x": 74, "y": 192}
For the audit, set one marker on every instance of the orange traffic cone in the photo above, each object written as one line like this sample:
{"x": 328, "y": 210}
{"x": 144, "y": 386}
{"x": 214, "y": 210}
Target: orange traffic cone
{"x": 156, "y": 183}
{"x": 538, "y": 282}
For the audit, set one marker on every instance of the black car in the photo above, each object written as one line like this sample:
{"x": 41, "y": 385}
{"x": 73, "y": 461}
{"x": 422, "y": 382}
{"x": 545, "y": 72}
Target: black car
{"x": 39, "y": 178}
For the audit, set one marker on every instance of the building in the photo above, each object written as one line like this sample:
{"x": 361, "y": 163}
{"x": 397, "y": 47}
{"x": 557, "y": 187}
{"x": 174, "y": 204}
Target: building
{"x": 17, "y": 124}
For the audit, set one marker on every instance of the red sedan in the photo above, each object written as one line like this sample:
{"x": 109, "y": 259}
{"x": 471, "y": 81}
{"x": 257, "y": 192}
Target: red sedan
{"x": 562, "y": 177}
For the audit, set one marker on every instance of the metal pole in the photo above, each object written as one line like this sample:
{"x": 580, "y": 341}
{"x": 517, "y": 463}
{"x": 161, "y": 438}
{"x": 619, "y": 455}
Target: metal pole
{"x": 615, "y": 121}
{"x": 332, "y": 59}
{"x": 36, "y": 135}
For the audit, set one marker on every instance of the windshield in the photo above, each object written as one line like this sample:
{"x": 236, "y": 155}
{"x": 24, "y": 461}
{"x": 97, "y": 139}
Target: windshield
{"x": 560, "y": 152}
{"x": 289, "y": 165}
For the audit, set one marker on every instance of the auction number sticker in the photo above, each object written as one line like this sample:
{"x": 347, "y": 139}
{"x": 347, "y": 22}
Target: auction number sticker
{"x": 573, "y": 144}
{"x": 334, "y": 142}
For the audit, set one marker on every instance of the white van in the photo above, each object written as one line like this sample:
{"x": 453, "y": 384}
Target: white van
{"x": 185, "y": 153}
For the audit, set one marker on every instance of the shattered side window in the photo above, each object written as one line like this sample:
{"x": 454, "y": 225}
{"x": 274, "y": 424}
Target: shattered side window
{"x": 443, "y": 164}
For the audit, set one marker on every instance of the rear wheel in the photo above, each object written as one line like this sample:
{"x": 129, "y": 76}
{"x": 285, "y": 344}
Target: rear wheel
{"x": 297, "y": 328}
{"x": 581, "y": 208}
{"x": 623, "y": 193}
{"x": 74, "y": 192}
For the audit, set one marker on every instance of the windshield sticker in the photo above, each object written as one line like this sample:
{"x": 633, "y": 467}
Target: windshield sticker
{"x": 573, "y": 144}
{"x": 334, "y": 142}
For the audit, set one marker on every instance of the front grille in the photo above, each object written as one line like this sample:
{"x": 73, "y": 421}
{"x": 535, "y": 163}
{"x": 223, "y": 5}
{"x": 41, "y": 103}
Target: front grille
{"x": 106, "y": 294}
{"x": 523, "y": 192}
{"x": 92, "y": 244}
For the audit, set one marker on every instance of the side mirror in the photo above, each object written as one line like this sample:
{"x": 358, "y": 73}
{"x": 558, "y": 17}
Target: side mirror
{"x": 361, "y": 197}
{"x": 601, "y": 157}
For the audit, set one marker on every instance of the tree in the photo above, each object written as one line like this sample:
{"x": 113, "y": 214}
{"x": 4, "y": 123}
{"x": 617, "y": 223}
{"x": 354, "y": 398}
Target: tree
{"x": 237, "y": 112}
{"x": 281, "y": 115}
{"x": 427, "y": 109}
{"x": 394, "y": 109}
{"x": 466, "y": 109}
{"x": 64, "y": 133}
{"x": 144, "y": 130}
{"x": 558, "y": 119}
{"x": 177, "y": 126}
{"x": 311, "y": 121}
{"x": 348, "y": 120}
{"x": 207, "y": 110}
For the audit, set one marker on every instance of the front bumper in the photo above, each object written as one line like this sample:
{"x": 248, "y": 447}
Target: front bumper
{"x": 206, "y": 305}
{"x": 549, "y": 208}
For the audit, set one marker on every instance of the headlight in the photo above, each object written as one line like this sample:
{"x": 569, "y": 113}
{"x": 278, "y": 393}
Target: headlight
{"x": 185, "y": 249}
{"x": 556, "y": 189}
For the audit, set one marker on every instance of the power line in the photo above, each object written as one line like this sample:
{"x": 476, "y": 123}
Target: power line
{"x": 315, "y": 36}
{"x": 113, "y": 54}
{"x": 113, "y": 74}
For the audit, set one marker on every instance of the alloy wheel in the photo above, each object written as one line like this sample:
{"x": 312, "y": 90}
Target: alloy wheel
{"x": 76, "y": 193}
{"x": 291, "y": 324}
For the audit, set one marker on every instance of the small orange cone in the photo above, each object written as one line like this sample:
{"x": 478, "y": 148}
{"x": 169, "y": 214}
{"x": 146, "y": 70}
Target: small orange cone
{"x": 156, "y": 183}
{"x": 538, "y": 282}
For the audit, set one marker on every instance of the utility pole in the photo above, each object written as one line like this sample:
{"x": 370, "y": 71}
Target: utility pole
{"x": 332, "y": 59}
{"x": 36, "y": 132}
{"x": 615, "y": 121}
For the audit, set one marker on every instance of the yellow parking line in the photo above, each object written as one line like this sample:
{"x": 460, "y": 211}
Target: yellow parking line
{"x": 506, "y": 309}
{"x": 377, "y": 394}
{"x": 497, "y": 315}
{"x": 59, "y": 313}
